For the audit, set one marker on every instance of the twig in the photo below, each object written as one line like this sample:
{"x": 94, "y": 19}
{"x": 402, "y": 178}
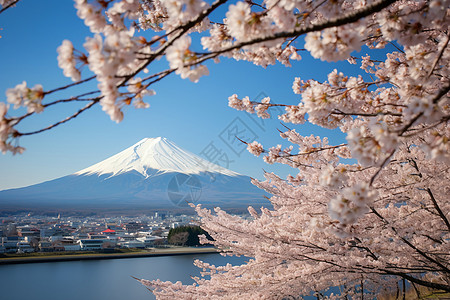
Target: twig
{"x": 61, "y": 122}
{"x": 439, "y": 56}
{"x": 69, "y": 85}
{"x": 435, "y": 100}
{"x": 436, "y": 206}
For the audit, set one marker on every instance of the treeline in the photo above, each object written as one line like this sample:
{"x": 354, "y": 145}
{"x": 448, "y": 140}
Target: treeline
{"x": 186, "y": 235}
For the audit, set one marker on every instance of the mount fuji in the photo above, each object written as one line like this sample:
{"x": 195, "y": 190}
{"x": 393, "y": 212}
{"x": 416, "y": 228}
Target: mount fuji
{"x": 153, "y": 174}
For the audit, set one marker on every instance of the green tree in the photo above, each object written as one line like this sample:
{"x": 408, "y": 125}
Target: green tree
{"x": 186, "y": 235}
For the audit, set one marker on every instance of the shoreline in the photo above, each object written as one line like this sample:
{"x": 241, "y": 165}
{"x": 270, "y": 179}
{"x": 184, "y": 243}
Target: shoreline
{"x": 100, "y": 256}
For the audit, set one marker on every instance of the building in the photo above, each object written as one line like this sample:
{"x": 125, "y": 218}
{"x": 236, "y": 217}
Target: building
{"x": 133, "y": 244}
{"x": 10, "y": 244}
{"x": 91, "y": 244}
{"x": 108, "y": 232}
{"x": 135, "y": 227}
{"x": 45, "y": 246}
{"x": 149, "y": 241}
{"x": 24, "y": 247}
{"x": 71, "y": 247}
{"x": 29, "y": 232}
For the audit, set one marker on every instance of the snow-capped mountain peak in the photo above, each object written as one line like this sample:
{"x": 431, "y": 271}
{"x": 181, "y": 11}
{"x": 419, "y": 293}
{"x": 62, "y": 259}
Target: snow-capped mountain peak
{"x": 154, "y": 155}
{"x": 153, "y": 174}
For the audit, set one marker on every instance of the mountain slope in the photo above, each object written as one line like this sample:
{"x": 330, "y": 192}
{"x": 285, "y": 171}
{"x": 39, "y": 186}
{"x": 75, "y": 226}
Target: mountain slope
{"x": 152, "y": 174}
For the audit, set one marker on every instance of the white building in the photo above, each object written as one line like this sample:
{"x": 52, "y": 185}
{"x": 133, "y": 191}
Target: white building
{"x": 94, "y": 244}
{"x": 149, "y": 241}
{"x": 133, "y": 244}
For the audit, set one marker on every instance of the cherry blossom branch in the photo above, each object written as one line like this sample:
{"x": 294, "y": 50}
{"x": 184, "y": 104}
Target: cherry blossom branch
{"x": 183, "y": 29}
{"x": 436, "y": 206}
{"x": 347, "y": 19}
{"x": 422, "y": 253}
{"x": 414, "y": 269}
{"x": 435, "y": 100}
{"x": 17, "y": 120}
{"x": 385, "y": 161}
{"x": 438, "y": 57}
{"x": 397, "y": 47}
{"x": 314, "y": 150}
{"x": 338, "y": 112}
{"x": 415, "y": 131}
{"x": 161, "y": 75}
{"x": 88, "y": 106}
{"x": 72, "y": 99}
{"x": 433, "y": 285}
{"x": 9, "y": 5}
{"x": 370, "y": 253}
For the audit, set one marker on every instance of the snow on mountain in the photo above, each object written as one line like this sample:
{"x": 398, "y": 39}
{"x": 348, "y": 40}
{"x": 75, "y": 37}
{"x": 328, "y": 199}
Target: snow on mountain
{"x": 154, "y": 154}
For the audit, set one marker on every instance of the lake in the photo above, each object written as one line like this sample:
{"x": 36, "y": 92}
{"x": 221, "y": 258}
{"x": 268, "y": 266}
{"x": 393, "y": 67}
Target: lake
{"x": 99, "y": 279}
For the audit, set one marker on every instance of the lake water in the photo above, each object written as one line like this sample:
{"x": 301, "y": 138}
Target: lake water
{"x": 99, "y": 279}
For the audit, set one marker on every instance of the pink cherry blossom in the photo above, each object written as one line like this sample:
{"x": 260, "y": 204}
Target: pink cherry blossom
{"x": 370, "y": 211}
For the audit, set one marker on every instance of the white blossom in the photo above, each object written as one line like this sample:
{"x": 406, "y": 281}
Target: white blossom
{"x": 92, "y": 17}
{"x": 255, "y": 148}
{"x": 179, "y": 56}
{"x": 352, "y": 203}
{"x": 22, "y": 95}
{"x": 67, "y": 61}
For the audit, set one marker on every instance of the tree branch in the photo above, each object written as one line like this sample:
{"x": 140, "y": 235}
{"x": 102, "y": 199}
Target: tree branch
{"x": 436, "y": 206}
{"x": 9, "y": 5}
{"x": 433, "y": 285}
{"x": 422, "y": 253}
{"x": 435, "y": 100}
{"x": 61, "y": 122}
{"x": 69, "y": 85}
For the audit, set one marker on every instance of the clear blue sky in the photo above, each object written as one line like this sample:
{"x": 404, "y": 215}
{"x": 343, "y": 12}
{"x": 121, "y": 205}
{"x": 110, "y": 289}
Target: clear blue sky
{"x": 191, "y": 115}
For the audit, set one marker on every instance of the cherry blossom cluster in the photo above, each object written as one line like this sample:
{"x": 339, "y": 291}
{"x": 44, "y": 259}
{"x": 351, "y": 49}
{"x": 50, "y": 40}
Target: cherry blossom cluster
{"x": 242, "y": 24}
{"x": 109, "y": 59}
{"x": 255, "y": 148}
{"x": 333, "y": 177}
{"x": 260, "y": 108}
{"x": 139, "y": 90}
{"x": 92, "y": 15}
{"x": 367, "y": 212}
{"x": 351, "y": 204}
{"x": 183, "y": 11}
{"x": 179, "y": 56}
{"x": 371, "y": 150}
{"x": 67, "y": 61}
{"x": 6, "y": 131}
{"x": 31, "y": 98}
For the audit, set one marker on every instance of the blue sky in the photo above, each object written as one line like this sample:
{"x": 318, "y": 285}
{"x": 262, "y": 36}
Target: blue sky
{"x": 193, "y": 115}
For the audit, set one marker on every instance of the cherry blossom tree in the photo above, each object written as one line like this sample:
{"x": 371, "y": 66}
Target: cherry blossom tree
{"x": 359, "y": 216}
